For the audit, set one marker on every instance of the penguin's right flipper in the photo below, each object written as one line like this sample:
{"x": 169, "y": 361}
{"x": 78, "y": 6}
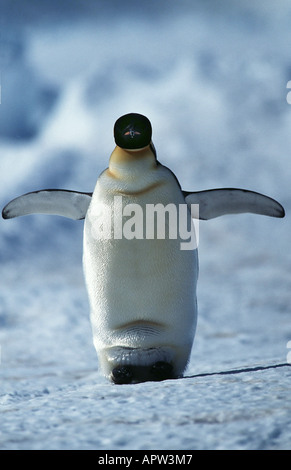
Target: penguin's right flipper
{"x": 71, "y": 204}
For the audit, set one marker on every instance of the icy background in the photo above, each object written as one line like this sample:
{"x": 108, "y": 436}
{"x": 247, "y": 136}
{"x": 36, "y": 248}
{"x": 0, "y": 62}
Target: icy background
{"x": 211, "y": 76}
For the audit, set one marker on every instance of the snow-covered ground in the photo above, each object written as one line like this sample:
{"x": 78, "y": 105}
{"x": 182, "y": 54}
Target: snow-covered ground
{"x": 212, "y": 80}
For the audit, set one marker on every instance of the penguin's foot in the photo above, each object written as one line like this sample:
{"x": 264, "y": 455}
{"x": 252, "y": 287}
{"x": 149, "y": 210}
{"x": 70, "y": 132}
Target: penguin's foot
{"x": 134, "y": 374}
{"x": 122, "y": 375}
{"x": 161, "y": 371}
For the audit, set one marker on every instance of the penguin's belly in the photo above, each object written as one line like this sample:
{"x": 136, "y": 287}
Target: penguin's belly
{"x": 142, "y": 295}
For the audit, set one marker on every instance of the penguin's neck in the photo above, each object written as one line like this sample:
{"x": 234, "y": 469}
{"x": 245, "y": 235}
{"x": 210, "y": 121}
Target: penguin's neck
{"x": 129, "y": 163}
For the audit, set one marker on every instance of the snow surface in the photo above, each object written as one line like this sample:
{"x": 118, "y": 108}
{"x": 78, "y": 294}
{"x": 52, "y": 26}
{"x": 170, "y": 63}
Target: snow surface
{"x": 212, "y": 78}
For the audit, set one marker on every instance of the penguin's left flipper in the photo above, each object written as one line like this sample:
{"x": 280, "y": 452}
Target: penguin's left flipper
{"x": 71, "y": 204}
{"x": 216, "y": 202}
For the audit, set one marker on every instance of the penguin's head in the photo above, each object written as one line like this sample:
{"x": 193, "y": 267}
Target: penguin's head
{"x": 132, "y": 131}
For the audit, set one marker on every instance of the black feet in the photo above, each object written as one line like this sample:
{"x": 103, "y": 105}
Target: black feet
{"x": 134, "y": 374}
{"x": 161, "y": 371}
{"x": 121, "y": 375}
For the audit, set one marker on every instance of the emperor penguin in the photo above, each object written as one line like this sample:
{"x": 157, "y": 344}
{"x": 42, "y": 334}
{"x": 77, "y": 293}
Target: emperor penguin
{"x": 141, "y": 275}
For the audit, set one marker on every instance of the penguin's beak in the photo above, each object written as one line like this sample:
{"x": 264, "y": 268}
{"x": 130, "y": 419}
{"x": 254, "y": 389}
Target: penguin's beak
{"x": 132, "y": 133}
